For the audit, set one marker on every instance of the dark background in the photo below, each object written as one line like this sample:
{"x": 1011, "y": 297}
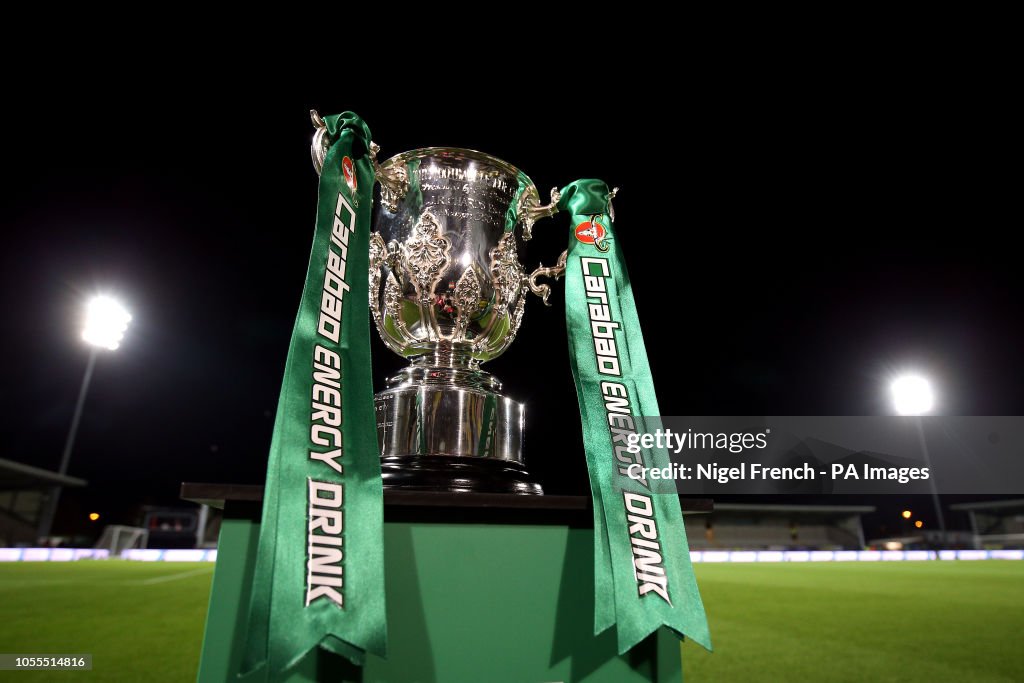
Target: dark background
{"x": 792, "y": 243}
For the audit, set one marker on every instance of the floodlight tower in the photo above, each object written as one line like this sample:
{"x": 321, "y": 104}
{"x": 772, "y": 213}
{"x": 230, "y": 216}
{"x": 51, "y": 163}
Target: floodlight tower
{"x": 106, "y": 321}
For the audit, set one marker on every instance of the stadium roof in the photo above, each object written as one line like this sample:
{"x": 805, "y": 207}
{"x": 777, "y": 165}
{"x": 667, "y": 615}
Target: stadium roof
{"x": 811, "y": 509}
{"x": 16, "y": 475}
{"x": 989, "y": 505}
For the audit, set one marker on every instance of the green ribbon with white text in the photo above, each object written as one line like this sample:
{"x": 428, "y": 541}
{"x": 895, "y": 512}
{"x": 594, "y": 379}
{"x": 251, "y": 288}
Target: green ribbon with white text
{"x": 642, "y": 572}
{"x": 319, "y": 578}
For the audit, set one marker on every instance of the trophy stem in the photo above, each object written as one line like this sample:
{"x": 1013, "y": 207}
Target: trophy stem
{"x": 443, "y": 425}
{"x": 448, "y": 355}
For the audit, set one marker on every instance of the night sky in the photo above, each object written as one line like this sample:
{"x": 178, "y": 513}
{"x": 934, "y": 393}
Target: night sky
{"x": 790, "y": 249}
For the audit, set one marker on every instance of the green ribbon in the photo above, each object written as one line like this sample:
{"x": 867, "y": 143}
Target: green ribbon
{"x": 642, "y": 571}
{"x": 319, "y": 578}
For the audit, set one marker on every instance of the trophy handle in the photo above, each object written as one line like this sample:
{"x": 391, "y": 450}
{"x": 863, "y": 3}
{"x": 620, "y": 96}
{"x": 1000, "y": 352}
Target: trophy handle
{"x": 321, "y": 143}
{"x": 556, "y": 271}
{"x": 394, "y": 182}
{"x": 531, "y": 210}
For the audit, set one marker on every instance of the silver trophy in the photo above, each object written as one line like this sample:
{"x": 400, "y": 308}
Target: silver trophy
{"x": 447, "y": 291}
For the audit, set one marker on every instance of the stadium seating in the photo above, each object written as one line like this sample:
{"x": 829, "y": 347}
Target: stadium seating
{"x": 749, "y": 527}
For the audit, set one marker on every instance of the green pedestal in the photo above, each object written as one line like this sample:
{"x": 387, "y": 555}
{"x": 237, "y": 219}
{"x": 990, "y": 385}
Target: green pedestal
{"x": 470, "y": 599}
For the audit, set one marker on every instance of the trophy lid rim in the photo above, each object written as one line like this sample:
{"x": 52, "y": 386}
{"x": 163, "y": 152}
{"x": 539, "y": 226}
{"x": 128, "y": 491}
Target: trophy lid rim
{"x": 465, "y": 152}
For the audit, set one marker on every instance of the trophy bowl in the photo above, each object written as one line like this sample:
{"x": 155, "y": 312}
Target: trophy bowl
{"x": 447, "y": 291}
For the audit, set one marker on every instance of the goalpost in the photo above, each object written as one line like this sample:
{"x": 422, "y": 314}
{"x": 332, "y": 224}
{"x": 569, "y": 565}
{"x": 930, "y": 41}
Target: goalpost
{"x": 116, "y": 538}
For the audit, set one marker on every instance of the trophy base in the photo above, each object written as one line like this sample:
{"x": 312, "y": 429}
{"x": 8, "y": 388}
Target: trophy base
{"x": 447, "y": 429}
{"x": 455, "y": 475}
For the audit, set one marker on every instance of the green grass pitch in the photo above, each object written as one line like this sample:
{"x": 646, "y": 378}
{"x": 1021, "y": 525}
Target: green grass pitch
{"x": 883, "y": 621}
{"x": 898, "y": 621}
{"x": 141, "y": 621}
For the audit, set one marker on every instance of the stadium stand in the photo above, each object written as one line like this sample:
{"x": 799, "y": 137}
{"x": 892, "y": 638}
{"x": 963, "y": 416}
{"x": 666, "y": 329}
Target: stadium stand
{"x": 931, "y": 539}
{"x": 741, "y": 526}
{"x": 995, "y": 525}
{"x": 23, "y": 492}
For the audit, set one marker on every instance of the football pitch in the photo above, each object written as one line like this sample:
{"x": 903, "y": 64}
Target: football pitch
{"x": 140, "y": 621}
{"x": 886, "y": 621}
{"x": 856, "y": 621}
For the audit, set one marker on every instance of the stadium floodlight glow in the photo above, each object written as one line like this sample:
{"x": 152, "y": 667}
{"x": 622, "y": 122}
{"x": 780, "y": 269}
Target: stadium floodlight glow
{"x": 912, "y": 395}
{"x": 106, "y": 321}
{"x": 907, "y": 514}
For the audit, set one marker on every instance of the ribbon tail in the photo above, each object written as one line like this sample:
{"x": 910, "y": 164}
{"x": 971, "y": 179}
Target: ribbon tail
{"x": 319, "y": 576}
{"x": 643, "y": 575}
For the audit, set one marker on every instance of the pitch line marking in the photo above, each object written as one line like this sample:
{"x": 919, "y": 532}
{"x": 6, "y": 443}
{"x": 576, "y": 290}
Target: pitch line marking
{"x": 173, "y": 577}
